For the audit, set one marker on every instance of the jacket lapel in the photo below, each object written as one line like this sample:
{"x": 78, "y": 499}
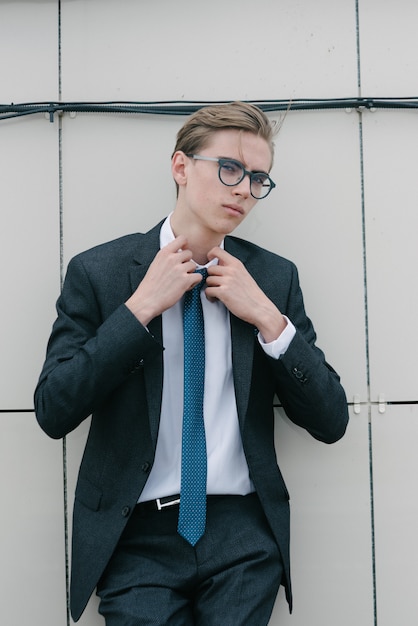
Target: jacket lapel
{"x": 153, "y": 371}
{"x": 243, "y": 337}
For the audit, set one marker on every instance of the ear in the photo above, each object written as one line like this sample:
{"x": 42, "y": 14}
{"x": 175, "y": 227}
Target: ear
{"x": 179, "y": 166}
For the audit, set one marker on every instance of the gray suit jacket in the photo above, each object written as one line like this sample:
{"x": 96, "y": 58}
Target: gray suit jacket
{"x": 102, "y": 361}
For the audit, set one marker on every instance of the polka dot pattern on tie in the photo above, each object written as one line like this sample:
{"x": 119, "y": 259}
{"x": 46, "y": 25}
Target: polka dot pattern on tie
{"x": 192, "y": 514}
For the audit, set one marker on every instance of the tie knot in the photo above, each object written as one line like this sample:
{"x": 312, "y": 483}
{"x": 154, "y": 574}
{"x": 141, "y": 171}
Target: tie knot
{"x": 204, "y": 273}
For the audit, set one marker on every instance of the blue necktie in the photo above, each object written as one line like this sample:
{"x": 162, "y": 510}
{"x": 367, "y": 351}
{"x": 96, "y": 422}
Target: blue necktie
{"x": 192, "y": 514}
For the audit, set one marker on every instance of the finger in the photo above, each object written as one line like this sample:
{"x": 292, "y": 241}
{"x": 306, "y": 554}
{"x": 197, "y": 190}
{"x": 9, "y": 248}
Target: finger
{"x": 179, "y": 243}
{"x": 211, "y": 298}
{"x": 215, "y": 270}
{"x": 190, "y": 267}
{"x": 184, "y": 256}
{"x": 196, "y": 278}
{"x": 172, "y": 254}
{"x": 218, "y": 253}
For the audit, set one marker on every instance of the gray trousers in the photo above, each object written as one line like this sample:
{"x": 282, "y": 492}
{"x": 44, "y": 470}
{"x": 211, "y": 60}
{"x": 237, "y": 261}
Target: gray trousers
{"x": 231, "y": 577}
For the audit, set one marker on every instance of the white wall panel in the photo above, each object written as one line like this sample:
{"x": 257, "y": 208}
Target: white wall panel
{"x": 29, "y": 253}
{"x": 331, "y": 551}
{"x": 28, "y": 51}
{"x": 395, "y": 471}
{"x": 388, "y": 47}
{"x": 131, "y": 50}
{"x": 117, "y": 176}
{"x": 32, "y": 571}
{"x": 391, "y": 196}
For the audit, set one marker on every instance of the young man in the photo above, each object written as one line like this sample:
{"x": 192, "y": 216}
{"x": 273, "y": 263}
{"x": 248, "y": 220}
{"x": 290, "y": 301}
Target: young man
{"x": 156, "y": 551}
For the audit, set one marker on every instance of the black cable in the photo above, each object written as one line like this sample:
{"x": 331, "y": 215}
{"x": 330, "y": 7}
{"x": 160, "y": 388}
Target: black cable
{"x": 8, "y": 111}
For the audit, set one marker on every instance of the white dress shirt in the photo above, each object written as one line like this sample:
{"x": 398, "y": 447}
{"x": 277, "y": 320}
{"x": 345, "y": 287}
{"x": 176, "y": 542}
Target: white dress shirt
{"x": 227, "y": 466}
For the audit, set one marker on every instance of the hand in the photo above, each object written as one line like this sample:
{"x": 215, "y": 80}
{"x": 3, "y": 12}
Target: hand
{"x": 169, "y": 276}
{"x": 229, "y": 282}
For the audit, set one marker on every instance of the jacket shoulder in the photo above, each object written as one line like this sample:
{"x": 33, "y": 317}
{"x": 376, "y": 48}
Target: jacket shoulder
{"x": 125, "y": 246}
{"x": 253, "y": 253}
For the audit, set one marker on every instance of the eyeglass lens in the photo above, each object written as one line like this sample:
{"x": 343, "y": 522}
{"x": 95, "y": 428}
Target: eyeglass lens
{"x": 232, "y": 172}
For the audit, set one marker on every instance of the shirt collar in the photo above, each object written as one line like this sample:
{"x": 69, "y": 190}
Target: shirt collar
{"x": 167, "y": 236}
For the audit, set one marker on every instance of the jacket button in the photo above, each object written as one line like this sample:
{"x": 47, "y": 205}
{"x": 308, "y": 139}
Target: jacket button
{"x": 299, "y": 375}
{"x": 146, "y": 467}
{"x": 135, "y": 366}
{"x": 125, "y": 511}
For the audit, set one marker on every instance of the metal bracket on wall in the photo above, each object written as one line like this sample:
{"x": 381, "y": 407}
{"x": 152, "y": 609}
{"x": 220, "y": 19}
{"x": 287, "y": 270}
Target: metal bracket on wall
{"x": 356, "y": 404}
{"x": 381, "y": 403}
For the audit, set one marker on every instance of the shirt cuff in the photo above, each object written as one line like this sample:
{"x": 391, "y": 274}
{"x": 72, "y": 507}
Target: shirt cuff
{"x": 278, "y": 347}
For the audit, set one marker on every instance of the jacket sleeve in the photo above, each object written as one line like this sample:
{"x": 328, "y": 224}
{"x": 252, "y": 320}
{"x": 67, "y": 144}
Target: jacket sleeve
{"x": 307, "y": 386}
{"x": 88, "y": 355}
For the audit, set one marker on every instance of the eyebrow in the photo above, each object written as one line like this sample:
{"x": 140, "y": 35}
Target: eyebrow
{"x": 243, "y": 165}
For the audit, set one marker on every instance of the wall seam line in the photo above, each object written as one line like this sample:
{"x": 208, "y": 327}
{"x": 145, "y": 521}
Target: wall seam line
{"x": 61, "y": 262}
{"x": 366, "y": 314}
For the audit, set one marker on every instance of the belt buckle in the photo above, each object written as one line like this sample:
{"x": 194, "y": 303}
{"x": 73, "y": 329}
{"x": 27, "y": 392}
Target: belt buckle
{"x": 162, "y": 505}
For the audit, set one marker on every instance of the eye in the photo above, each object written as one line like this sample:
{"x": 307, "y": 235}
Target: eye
{"x": 232, "y": 168}
{"x": 261, "y": 179}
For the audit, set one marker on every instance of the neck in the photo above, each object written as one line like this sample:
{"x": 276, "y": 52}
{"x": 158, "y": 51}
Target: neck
{"x": 199, "y": 241}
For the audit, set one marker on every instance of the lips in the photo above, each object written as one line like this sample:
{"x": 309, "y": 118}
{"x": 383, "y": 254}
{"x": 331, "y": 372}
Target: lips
{"x": 234, "y": 208}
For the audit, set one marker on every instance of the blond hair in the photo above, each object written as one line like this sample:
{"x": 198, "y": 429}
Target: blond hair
{"x": 200, "y": 126}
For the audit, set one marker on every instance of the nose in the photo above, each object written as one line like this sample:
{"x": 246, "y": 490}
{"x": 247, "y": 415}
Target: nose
{"x": 243, "y": 187}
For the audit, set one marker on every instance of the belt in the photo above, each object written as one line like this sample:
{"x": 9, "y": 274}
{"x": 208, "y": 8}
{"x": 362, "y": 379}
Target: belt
{"x": 159, "y": 504}
{"x": 164, "y": 503}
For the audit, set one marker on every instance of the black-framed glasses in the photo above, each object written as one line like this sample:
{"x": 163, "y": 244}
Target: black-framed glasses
{"x": 232, "y": 172}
